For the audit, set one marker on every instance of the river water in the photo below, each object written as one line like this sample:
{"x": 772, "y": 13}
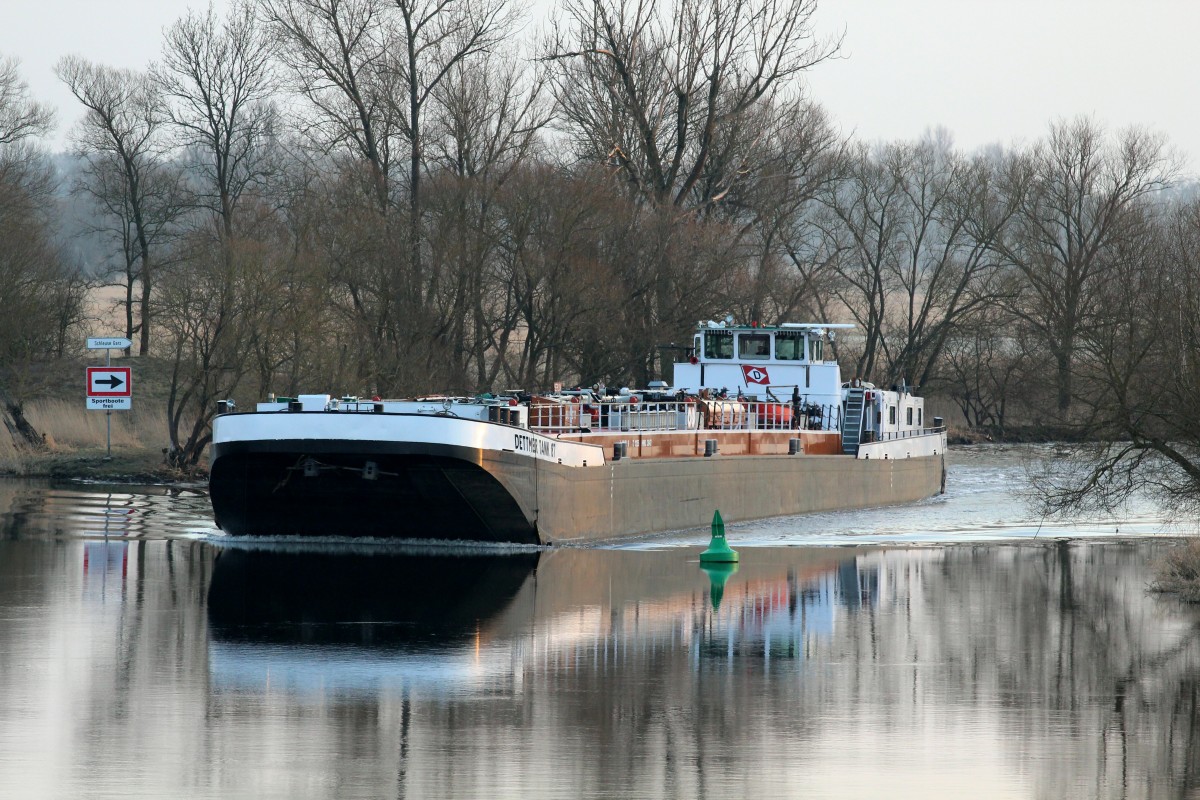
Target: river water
{"x": 958, "y": 647}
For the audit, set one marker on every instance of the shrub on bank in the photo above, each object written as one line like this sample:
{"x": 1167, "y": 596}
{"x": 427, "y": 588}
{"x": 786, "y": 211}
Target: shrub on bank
{"x": 1179, "y": 572}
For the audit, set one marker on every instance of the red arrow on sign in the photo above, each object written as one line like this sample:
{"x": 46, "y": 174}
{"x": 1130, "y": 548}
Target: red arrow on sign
{"x": 109, "y": 382}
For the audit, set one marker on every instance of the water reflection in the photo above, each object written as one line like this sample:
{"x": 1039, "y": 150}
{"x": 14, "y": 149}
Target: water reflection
{"x": 372, "y": 600}
{"x": 1046, "y": 670}
{"x": 351, "y": 621}
{"x": 151, "y": 668}
{"x": 37, "y": 509}
{"x": 718, "y": 574}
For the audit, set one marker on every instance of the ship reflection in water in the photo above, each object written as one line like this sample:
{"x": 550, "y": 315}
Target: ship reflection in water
{"x": 322, "y": 621}
{"x": 172, "y": 668}
{"x": 1035, "y": 671}
{"x": 306, "y": 620}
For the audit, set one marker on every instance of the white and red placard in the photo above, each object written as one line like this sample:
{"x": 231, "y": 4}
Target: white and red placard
{"x": 755, "y": 374}
{"x": 109, "y": 388}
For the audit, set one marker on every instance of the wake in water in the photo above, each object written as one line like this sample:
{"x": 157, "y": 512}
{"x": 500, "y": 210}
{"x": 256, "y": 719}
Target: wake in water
{"x": 982, "y": 503}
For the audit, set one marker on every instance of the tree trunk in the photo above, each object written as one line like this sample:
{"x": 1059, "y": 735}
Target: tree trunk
{"x": 23, "y": 433}
{"x": 1063, "y": 381}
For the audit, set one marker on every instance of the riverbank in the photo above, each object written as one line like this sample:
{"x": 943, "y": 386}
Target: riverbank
{"x": 56, "y": 437}
{"x": 133, "y": 466}
{"x": 1022, "y": 434}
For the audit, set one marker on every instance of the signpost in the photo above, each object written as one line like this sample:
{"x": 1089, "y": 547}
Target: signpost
{"x": 99, "y": 343}
{"x": 109, "y": 388}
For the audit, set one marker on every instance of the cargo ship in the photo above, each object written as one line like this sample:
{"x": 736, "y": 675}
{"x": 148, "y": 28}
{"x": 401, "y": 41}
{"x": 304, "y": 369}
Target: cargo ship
{"x": 756, "y": 422}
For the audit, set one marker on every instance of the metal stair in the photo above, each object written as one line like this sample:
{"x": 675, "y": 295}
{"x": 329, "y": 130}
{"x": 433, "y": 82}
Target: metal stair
{"x": 852, "y": 421}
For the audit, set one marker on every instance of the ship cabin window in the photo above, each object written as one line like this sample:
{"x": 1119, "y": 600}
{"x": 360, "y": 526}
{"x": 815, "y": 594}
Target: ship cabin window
{"x": 891, "y": 415}
{"x": 908, "y": 421}
{"x": 920, "y": 417}
{"x": 754, "y": 345}
{"x": 816, "y": 347}
{"x": 718, "y": 344}
{"x": 789, "y": 346}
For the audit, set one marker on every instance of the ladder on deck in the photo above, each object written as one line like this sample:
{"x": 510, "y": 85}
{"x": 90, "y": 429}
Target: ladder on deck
{"x": 852, "y": 422}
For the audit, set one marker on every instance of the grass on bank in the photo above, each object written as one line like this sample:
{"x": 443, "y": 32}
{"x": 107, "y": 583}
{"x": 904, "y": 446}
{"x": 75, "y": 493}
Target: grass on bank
{"x": 74, "y": 442}
{"x": 1179, "y": 572}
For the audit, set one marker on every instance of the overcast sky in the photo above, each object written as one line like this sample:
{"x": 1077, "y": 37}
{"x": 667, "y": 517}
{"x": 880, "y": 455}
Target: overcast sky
{"x": 987, "y": 71}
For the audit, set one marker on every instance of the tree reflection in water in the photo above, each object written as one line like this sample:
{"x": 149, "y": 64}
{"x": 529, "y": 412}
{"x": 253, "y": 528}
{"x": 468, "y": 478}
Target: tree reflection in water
{"x": 1052, "y": 660}
{"x": 1035, "y": 670}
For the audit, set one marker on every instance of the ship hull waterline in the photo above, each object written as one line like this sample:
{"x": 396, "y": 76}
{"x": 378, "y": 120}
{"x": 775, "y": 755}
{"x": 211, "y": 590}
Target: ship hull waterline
{"x": 425, "y": 490}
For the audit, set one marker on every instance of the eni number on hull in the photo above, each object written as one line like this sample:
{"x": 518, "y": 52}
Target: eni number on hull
{"x": 757, "y": 423}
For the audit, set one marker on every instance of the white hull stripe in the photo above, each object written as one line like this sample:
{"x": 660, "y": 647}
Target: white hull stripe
{"x": 416, "y": 428}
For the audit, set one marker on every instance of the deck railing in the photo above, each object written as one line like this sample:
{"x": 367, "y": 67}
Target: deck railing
{"x": 889, "y": 436}
{"x": 555, "y": 417}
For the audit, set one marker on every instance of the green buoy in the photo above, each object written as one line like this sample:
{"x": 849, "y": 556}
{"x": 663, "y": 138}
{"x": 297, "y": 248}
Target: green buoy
{"x": 719, "y": 549}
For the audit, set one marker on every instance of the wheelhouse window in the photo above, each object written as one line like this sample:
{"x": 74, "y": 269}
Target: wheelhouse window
{"x": 754, "y": 345}
{"x": 789, "y": 346}
{"x": 718, "y": 344}
{"x": 908, "y": 415}
{"x": 891, "y": 415}
{"x": 816, "y": 349}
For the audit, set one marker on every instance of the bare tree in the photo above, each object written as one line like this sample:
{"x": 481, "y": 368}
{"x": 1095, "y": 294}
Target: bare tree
{"x": 863, "y": 230}
{"x": 560, "y": 287}
{"x": 433, "y": 37}
{"x": 656, "y": 89}
{"x": 1073, "y": 193}
{"x": 794, "y": 156}
{"x": 337, "y": 51}
{"x": 951, "y": 266}
{"x": 209, "y": 310}
{"x": 21, "y": 117}
{"x": 128, "y": 172}
{"x": 358, "y": 251}
{"x": 42, "y": 296}
{"x": 986, "y": 365}
{"x": 912, "y": 233}
{"x": 1136, "y": 375}
{"x": 484, "y": 127}
{"x": 217, "y": 76}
